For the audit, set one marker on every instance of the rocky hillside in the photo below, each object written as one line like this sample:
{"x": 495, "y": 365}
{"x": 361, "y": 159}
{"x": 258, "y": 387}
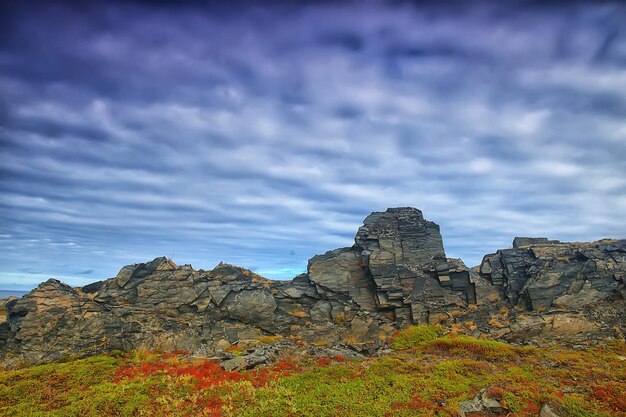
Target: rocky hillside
{"x": 395, "y": 274}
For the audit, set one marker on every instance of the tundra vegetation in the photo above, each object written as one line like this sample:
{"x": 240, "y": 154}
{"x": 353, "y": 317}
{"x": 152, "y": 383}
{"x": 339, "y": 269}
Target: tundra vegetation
{"x": 427, "y": 372}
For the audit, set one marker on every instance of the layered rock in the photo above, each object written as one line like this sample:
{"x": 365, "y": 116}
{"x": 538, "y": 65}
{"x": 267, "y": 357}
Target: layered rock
{"x": 163, "y": 306}
{"x": 572, "y": 290}
{"x": 395, "y": 274}
{"x": 397, "y": 267}
{"x": 542, "y": 274}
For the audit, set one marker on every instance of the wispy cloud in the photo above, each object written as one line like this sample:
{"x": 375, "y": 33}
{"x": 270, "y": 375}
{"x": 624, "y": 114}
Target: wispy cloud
{"x": 262, "y": 135}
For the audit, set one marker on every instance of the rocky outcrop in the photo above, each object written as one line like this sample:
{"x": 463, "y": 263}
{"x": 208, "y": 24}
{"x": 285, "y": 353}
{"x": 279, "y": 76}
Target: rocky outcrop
{"x": 541, "y": 274}
{"x": 397, "y": 268}
{"x": 572, "y": 289}
{"x": 405, "y": 259}
{"x": 395, "y": 274}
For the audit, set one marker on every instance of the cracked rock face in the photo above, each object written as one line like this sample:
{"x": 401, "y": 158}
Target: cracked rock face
{"x": 395, "y": 274}
{"x": 542, "y": 274}
{"x": 573, "y": 291}
{"x": 396, "y": 268}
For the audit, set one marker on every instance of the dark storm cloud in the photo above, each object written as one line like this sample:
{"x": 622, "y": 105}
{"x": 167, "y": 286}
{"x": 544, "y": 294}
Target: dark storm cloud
{"x": 262, "y": 134}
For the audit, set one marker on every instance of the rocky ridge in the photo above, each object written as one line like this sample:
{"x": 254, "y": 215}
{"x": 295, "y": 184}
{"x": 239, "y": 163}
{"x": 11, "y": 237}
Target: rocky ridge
{"x": 350, "y": 300}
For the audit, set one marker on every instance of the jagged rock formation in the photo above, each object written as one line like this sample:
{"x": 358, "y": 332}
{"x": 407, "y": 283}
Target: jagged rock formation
{"x": 395, "y": 274}
{"x": 575, "y": 289}
{"x": 538, "y": 273}
{"x": 396, "y": 268}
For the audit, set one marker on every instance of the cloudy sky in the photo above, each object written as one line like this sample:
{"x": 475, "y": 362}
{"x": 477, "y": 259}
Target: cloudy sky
{"x": 261, "y": 135}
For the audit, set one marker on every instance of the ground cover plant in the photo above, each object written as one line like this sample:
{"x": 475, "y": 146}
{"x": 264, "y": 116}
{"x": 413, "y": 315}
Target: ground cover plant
{"x": 428, "y": 373}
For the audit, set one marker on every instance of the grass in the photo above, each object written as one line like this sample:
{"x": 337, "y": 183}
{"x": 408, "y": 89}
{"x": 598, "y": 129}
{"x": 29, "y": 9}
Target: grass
{"x": 416, "y": 337}
{"x": 427, "y": 374}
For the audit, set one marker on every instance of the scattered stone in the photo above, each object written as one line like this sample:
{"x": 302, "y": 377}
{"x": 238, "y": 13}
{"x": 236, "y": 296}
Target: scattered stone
{"x": 234, "y": 364}
{"x": 546, "y": 411}
{"x": 481, "y": 403}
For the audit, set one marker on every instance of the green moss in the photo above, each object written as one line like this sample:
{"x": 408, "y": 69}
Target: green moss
{"x": 477, "y": 348}
{"x": 414, "y": 337}
{"x": 578, "y": 406}
{"x": 429, "y": 375}
{"x": 331, "y": 391}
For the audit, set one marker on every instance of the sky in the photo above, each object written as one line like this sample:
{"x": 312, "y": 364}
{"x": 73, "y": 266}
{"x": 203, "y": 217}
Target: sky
{"x": 261, "y": 134}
